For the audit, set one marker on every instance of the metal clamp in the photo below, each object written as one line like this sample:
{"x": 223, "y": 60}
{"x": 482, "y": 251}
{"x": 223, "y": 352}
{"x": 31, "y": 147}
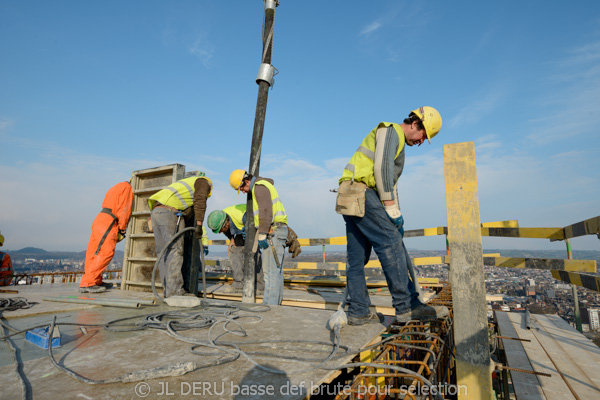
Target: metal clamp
{"x": 271, "y": 4}
{"x": 265, "y": 73}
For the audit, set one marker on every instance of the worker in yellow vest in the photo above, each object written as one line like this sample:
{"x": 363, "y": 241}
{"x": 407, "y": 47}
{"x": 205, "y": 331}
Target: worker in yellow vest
{"x": 174, "y": 208}
{"x": 368, "y": 200}
{"x": 270, "y": 220}
{"x": 231, "y": 222}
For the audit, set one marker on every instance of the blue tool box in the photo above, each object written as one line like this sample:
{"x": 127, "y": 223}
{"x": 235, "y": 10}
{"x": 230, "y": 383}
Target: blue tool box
{"x": 39, "y": 337}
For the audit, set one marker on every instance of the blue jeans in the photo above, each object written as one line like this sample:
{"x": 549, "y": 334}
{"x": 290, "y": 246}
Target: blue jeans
{"x": 376, "y": 231}
{"x": 273, "y": 274}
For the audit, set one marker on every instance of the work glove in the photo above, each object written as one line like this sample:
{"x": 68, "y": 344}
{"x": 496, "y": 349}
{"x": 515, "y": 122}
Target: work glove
{"x": 198, "y": 232}
{"x": 205, "y": 250}
{"x": 262, "y": 241}
{"x": 120, "y": 235}
{"x": 396, "y": 217}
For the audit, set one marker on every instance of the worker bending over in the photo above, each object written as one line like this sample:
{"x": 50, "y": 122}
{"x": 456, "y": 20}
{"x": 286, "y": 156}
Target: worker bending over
{"x": 368, "y": 200}
{"x": 108, "y": 228}
{"x": 181, "y": 204}
{"x": 270, "y": 221}
{"x": 230, "y": 222}
{"x": 6, "y": 269}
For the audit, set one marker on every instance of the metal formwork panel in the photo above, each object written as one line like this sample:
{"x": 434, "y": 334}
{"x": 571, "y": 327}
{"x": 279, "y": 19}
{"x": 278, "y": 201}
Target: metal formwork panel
{"x": 140, "y": 250}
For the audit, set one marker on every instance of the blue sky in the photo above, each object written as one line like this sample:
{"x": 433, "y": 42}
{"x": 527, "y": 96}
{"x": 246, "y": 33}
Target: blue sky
{"x": 91, "y": 91}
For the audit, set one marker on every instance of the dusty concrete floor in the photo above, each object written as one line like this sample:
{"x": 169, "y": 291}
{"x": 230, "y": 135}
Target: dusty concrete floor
{"x": 102, "y": 354}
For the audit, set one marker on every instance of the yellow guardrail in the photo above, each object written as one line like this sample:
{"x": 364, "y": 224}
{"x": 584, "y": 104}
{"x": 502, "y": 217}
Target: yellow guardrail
{"x": 509, "y": 228}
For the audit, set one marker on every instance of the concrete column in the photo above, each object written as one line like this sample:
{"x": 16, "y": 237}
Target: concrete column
{"x": 466, "y": 273}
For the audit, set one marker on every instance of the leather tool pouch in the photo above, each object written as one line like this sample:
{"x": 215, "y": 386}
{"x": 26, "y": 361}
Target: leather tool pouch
{"x": 351, "y": 199}
{"x": 293, "y": 243}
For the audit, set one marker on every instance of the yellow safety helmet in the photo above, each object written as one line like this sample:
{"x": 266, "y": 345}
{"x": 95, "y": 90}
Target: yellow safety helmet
{"x": 432, "y": 120}
{"x": 236, "y": 179}
{"x": 1, "y": 240}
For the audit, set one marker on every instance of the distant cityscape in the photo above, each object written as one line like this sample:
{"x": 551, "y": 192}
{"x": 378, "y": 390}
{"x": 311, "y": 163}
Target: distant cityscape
{"x": 508, "y": 289}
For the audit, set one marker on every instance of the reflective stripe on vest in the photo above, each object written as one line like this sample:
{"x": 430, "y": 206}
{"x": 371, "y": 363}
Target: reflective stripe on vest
{"x": 360, "y": 167}
{"x": 179, "y": 195}
{"x": 279, "y": 214}
{"x": 236, "y": 213}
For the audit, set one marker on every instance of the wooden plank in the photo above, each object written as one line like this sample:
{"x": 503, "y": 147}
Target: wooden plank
{"x": 466, "y": 271}
{"x": 527, "y": 386}
{"x": 552, "y": 386}
{"x": 572, "y": 353}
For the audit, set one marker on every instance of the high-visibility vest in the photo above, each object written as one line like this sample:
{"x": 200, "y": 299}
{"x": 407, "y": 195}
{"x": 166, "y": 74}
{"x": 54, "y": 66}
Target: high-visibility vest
{"x": 236, "y": 213}
{"x": 361, "y": 165}
{"x": 6, "y": 269}
{"x": 179, "y": 195}
{"x": 279, "y": 214}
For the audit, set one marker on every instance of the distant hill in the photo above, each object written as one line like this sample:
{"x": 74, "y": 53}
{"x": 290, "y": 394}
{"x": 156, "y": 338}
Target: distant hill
{"x": 30, "y": 250}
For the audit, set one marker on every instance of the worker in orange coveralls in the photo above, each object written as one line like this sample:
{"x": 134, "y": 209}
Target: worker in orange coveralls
{"x": 6, "y": 268}
{"x": 107, "y": 229}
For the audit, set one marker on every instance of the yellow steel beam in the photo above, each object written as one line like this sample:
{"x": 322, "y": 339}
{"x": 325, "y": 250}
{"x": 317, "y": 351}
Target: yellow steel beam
{"x": 588, "y": 227}
{"x": 587, "y": 281}
{"x": 541, "y": 263}
{"x": 533, "y": 233}
{"x": 513, "y": 223}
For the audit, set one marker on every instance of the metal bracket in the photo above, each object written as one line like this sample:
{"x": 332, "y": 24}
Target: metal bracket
{"x": 265, "y": 73}
{"x": 271, "y": 4}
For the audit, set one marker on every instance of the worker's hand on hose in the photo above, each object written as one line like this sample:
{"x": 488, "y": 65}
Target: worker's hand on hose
{"x": 205, "y": 250}
{"x": 198, "y": 232}
{"x": 396, "y": 217}
{"x": 262, "y": 241}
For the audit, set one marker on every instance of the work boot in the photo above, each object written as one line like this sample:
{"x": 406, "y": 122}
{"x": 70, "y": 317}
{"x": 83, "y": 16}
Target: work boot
{"x": 92, "y": 289}
{"x": 422, "y": 311}
{"x": 371, "y": 318}
{"x": 107, "y": 285}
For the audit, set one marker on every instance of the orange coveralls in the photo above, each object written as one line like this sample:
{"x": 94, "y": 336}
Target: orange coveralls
{"x": 115, "y": 214}
{"x": 6, "y": 269}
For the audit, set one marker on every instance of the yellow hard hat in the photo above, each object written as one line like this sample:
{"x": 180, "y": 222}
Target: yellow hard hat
{"x": 236, "y": 179}
{"x": 432, "y": 120}
{"x": 1, "y": 240}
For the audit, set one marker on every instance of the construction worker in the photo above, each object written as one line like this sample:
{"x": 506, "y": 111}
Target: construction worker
{"x": 368, "y": 201}
{"x": 180, "y": 205}
{"x": 230, "y": 222}
{"x": 108, "y": 228}
{"x": 6, "y": 269}
{"x": 270, "y": 221}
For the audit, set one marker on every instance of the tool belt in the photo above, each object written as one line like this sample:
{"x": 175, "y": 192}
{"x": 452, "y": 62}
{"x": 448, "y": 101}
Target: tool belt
{"x": 351, "y": 199}
{"x": 114, "y": 221}
{"x": 167, "y": 207}
{"x": 291, "y": 241}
